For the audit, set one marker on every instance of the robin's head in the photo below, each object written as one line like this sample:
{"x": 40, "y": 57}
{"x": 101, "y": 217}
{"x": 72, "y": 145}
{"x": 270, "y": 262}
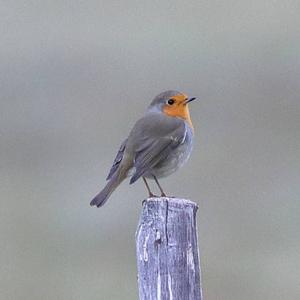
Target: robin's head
{"x": 172, "y": 104}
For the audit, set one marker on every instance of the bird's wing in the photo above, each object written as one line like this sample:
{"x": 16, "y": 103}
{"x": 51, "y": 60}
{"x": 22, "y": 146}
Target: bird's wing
{"x": 117, "y": 160}
{"x": 154, "y": 149}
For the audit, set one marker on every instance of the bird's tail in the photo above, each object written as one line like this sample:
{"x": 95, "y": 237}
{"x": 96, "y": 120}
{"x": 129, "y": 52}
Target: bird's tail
{"x": 111, "y": 185}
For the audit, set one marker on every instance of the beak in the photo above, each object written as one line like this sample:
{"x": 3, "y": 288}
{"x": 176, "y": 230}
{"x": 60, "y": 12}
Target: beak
{"x": 189, "y": 100}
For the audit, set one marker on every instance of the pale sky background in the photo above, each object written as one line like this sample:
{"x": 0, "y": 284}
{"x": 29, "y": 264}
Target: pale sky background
{"x": 75, "y": 75}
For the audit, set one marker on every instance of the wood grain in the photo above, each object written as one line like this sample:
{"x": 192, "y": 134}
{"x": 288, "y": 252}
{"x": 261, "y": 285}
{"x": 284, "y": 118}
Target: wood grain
{"x": 167, "y": 250}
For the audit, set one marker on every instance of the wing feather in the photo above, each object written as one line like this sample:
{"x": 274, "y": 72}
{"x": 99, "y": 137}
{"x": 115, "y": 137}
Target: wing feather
{"x": 155, "y": 150}
{"x": 117, "y": 160}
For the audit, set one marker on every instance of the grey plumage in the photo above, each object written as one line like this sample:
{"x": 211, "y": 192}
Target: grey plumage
{"x": 154, "y": 138}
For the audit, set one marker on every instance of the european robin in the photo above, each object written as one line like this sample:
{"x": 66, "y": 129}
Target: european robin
{"x": 158, "y": 145}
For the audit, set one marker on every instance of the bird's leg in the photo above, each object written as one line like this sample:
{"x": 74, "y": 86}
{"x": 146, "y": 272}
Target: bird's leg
{"x": 160, "y": 188}
{"x": 151, "y": 195}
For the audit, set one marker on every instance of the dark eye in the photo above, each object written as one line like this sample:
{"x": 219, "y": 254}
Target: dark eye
{"x": 171, "y": 101}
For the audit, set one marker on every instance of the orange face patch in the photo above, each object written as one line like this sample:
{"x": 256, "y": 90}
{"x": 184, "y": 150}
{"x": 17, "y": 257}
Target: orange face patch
{"x": 178, "y": 109}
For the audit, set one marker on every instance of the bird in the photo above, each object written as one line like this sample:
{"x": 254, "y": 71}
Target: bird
{"x": 159, "y": 143}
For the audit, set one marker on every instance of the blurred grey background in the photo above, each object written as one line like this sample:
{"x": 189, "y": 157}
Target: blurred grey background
{"x": 75, "y": 75}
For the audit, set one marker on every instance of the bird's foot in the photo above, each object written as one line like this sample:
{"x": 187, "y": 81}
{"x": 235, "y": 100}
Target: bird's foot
{"x": 153, "y": 196}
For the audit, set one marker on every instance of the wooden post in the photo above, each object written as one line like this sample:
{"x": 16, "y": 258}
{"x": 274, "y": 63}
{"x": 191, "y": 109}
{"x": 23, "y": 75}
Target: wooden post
{"x": 167, "y": 250}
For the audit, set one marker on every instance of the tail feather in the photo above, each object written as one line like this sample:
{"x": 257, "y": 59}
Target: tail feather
{"x": 111, "y": 185}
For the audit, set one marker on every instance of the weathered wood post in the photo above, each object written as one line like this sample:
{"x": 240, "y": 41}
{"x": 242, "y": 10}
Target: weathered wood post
{"x": 167, "y": 250}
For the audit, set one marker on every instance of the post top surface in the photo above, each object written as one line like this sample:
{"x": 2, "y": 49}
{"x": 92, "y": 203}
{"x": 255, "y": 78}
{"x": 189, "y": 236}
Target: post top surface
{"x": 172, "y": 200}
